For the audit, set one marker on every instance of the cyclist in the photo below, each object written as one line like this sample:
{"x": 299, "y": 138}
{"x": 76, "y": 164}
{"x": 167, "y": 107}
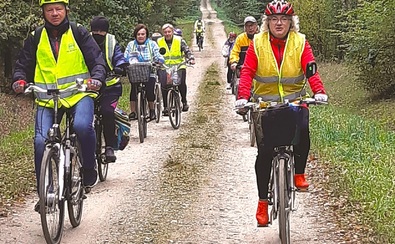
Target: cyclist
{"x": 53, "y": 57}
{"x": 116, "y": 63}
{"x": 178, "y": 32}
{"x": 279, "y": 75}
{"x": 155, "y": 36}
{"x": 176, "y": 48}
{"x": 226, "y": 49}
{"x": 242, "y": 42}
{"x": 199, "y": 29}
{"x": 148, "y": 51}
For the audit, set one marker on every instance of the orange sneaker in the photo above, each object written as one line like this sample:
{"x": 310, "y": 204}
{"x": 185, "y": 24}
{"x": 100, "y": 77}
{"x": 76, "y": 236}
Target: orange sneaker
{"x": 300, "y": 182}
{"x": 262, "y": 213}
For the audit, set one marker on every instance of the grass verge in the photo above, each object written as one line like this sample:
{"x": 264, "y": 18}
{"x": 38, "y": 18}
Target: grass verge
{"x": 354, "y": 139}
{"x": 229, "y": 25}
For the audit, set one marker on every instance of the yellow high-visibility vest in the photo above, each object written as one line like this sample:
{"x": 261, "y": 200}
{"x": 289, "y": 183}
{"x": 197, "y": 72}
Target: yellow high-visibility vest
{"x": 61, "y": 73}
{"x": 277, "y": 84}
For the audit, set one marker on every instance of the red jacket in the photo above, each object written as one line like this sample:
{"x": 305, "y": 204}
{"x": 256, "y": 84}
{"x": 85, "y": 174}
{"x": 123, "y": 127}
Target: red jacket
{"x": 251, "y": 62}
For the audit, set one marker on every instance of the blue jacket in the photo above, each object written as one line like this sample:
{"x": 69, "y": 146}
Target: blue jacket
{"x": 26, "y": 63}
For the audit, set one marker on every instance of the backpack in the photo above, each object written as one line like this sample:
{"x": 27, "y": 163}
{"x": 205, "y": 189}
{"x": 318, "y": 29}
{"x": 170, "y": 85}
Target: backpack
{"x": 122, "y": 129}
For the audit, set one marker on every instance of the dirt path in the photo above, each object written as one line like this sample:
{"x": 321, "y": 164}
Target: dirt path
{"x": 139, "y": 202}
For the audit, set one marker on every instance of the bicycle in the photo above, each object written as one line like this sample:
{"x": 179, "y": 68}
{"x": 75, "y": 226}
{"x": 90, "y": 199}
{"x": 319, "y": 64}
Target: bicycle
{"x": 282, "y": 190}
{"x": 102, "y": 163}
{"x": 250, "y": 106}
{"x": 199, "y": 36}
{"x": 173, "y": 94}
{"x": 235, "y": 80}
{"x": 158, "y": 97}
{"x": 139, "y": 73}
{"x": 61, "y": 171}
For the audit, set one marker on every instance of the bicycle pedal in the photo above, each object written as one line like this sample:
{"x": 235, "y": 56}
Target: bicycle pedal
{"x": 84, "y": 197}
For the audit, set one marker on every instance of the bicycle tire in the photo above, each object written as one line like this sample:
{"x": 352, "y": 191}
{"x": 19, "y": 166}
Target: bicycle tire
{"x": 50, "y": 203}
{"x": 174, "y": 106}
{"x": 234, "y": 88}
{"x": 251, "y": 128}
{"x": 284, "y": 208}
{"x": 102, "y": 166}
{"x": 158, "y": 102}
{"x": 140, "y": 117}
{"x": 75, "y": 196}
{"x": 145, "y": 115}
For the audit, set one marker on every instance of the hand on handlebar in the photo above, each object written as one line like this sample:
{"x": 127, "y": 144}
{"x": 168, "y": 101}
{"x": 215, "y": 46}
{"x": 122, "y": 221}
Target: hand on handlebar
{"x": 233, "y": 66}
{"x": 19, "y": 86}
{"x": 93, "y": 84}
{"x": 191, "y": 61}
{"x": 321, "y": 97}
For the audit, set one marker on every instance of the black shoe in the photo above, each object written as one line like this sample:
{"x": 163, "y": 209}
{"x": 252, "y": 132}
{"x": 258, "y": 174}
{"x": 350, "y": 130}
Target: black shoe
{"x": 185, "y": 107}
{"x": 132, "y": 116}
{"x": 90, "y": 179}
{"x": 110, "y": 156}
{"x": 165, "y": 112}
{"x": 37, "y": 207}
{"x": 152, "y": 114}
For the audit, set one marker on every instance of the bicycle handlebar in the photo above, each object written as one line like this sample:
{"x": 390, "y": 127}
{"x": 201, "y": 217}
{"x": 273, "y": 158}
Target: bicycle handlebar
{"x": 265, "y": 105}
{"x": 79, "y": 86}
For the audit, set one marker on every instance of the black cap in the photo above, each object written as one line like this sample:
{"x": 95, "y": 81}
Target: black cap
{"x": 100, "y": 23}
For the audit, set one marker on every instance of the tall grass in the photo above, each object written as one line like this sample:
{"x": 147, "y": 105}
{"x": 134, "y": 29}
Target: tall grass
{"x": 359, "y": 148}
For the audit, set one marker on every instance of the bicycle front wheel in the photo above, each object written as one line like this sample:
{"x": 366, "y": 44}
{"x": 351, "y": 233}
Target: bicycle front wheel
{"x": 158, "y": 102}
{"x": 100, "y": 152}
{"x": 75, "y": 196}
{"x": 140, "y": 116}
{"x": 174, "y": 106}
{"x": 284, "y": 207}
{"x": 252, "y": 128}
{"x": 51, "y": 202}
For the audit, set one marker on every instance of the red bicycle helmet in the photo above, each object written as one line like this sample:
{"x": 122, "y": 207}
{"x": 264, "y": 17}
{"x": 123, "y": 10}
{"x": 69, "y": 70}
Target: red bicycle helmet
{"x": 279, "y": 7}
{"x": 232, "y": 34}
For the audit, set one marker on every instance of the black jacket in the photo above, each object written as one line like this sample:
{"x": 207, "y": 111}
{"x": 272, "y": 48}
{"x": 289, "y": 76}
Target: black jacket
{"x": 26, "y": 63}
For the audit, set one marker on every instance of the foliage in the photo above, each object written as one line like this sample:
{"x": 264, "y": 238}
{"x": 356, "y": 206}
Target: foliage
{"x": 371, "y": 45}
{"x": 236, "y": 10}
{"x": 354, "y": 138}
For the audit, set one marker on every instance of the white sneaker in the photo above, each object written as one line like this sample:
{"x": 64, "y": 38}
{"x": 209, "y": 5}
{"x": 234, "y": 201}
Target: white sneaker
{"x": 228, "y": 86}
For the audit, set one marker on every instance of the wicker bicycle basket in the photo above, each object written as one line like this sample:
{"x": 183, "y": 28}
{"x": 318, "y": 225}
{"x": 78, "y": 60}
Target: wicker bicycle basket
{"x": 139, "y": 72}
{"x": 277, "y": 126}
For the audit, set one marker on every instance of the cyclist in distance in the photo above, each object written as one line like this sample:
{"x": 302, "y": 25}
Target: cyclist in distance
{"x": 242, "y": 42}
{"x": 178, "y": 32}
{"x": 116, "y": 63}
{"x": 54, "y": 56}
{"x": 199, "y": 29}
{"x": 226, "y": 49}
{"x": 277, "y": 75}
{"x": 148, "y": 51}
{"x": 155, "y": 36}
{"x": 176, "y": 52}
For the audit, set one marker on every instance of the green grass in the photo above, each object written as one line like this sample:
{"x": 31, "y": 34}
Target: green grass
{"x": 352, "y": 135}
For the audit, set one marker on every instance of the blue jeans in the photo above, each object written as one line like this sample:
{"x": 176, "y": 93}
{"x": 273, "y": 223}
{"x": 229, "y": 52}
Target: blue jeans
{"x": 82, "y": 113}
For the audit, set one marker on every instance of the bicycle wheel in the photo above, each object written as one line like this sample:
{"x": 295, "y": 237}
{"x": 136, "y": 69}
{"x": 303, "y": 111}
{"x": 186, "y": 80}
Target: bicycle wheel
{"x": 145, "y": 110}
{"x": 234, "y": 88}
{"x": 174, "y": 106}
{"x": 75, "y": 195}
{"x": 100, "y": 150}
{"x": 140, "y": 116}
{"x": 251, "y": 127}
{"x": 284, "y": 208}
{"x": 51, "y": 207}
{"x": 158, "y": 102}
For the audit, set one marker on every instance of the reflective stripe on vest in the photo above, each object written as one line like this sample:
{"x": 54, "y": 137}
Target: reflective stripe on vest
{"x": 110, "y": 48}
{"x": 272, "y": 83}
{"x": 60, "y": 73}
{"x": 174, "y": 55}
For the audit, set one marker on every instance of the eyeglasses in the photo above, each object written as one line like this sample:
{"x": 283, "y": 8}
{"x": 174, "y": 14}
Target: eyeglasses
{"x": 282, "y": 19}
